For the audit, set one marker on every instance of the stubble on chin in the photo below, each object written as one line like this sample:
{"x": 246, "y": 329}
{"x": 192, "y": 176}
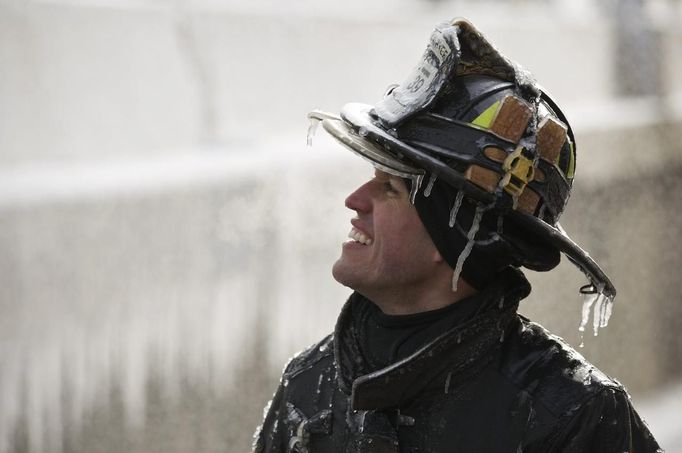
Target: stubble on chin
{"x": 345, "y": 274}
{"x": 338, "y": 271}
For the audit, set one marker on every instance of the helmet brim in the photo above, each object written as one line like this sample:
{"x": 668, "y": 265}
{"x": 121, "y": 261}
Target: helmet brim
{"x": 359, "y": 121}
{"x": 353, "y": 140}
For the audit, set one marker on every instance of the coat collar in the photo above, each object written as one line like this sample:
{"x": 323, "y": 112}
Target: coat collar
{"x": 456, "y": 353}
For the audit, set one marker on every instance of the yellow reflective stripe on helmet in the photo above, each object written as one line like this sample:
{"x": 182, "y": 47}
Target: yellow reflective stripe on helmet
{"x": 485, "y": 119}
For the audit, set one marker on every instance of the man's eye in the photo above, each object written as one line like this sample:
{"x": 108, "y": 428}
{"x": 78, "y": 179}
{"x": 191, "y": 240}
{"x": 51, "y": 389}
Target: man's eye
{"x": 389, "y": 188}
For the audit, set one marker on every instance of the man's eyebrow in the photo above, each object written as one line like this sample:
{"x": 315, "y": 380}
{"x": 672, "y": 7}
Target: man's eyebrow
{"x": 396, "y": 181}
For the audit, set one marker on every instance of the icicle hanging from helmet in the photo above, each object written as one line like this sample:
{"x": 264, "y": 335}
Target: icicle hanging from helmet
{"x": 455, "y": 208}
{"x": 429, "y": 186}
{"x": 475, "y": 224}
{"x": 603, "y": 306}
{"x": 312, "y": 130}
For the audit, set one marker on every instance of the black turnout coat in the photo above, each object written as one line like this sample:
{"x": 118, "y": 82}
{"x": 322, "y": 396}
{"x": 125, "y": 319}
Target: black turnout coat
{"x": 495, "y": 383}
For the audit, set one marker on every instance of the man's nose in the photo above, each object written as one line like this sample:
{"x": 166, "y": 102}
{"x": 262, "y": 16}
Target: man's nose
{"x": 360, "y": 199}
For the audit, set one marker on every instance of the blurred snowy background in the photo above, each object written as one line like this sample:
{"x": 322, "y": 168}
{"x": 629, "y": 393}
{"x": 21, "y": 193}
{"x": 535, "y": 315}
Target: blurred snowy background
{"x": 166, "y": 237}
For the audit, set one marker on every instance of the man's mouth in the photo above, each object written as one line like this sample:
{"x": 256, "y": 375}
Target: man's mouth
{"x": 359, "y": 236}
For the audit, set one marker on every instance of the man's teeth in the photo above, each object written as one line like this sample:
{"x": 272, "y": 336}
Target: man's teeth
{"x": 359, "y": 236}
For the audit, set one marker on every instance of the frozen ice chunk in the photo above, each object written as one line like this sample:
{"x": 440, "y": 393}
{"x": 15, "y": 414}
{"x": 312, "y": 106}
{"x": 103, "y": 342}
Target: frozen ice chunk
{"x": 455, "y": 209}
{"x": 429, "y": 186}
{"x": 470, "y": 242}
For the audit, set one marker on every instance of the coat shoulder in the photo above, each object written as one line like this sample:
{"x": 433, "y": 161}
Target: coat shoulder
{"x": 552, "y": 372}
{"x": 573, "y": 406}
{"x": 306, "y": 359}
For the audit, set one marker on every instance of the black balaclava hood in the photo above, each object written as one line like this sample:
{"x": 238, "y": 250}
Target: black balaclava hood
{"x": 490, "y": 254}
{"x": 434, "y": 210}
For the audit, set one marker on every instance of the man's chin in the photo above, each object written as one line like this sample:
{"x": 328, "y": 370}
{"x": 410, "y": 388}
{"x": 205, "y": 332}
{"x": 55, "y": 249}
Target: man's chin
{"x": 344, "y": 273}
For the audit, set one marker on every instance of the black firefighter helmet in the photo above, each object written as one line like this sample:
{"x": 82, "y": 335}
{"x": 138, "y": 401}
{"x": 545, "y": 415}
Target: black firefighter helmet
{"x": 472, "y": 119}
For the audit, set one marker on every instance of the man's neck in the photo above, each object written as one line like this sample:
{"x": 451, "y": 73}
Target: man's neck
{"x": 418, "y": 300}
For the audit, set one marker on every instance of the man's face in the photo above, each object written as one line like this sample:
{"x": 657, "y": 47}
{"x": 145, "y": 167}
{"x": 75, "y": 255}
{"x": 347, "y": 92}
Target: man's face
{"x": 389, "y": 250}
